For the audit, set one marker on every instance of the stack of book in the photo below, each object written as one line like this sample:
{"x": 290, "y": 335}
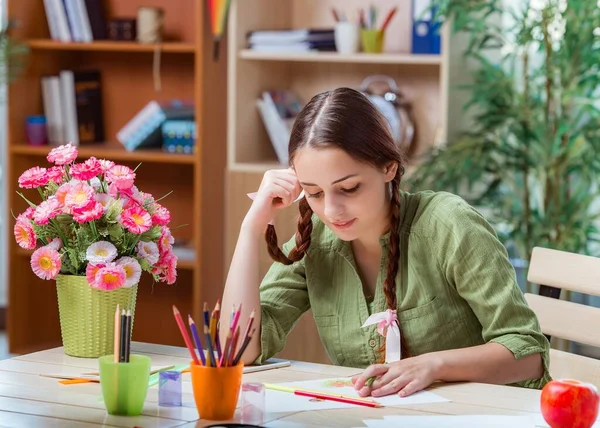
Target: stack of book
{"x": 278, "y": 110}
{"x": 75, "y": 20}
{"x": 290, "y": 41}
{"x": 72, "y": 102}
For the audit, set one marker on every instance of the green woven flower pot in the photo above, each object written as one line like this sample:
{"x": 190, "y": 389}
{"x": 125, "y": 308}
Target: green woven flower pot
{"x": 87, "y": 315}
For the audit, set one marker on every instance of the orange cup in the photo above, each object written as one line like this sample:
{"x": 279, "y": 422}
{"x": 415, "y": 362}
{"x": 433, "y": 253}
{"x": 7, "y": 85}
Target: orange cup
{"x": 216, "y": 390}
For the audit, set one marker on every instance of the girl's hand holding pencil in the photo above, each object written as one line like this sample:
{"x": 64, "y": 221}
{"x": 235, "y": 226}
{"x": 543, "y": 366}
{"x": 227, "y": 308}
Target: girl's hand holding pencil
{"x": 231, "y": 354}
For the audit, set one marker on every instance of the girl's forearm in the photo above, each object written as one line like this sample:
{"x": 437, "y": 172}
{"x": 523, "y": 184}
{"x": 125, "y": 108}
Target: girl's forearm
{"x": 489, "y": 363}
{"x": 241, "y": 287}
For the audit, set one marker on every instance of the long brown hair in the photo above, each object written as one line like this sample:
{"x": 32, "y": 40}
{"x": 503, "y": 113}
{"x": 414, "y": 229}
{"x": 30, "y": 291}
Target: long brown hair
{"x": 346, "y": 119}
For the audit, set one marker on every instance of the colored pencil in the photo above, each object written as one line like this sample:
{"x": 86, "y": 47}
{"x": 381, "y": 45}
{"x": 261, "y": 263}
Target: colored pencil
{"x": 336, "y": 17}
{"x": 197, "y": 339}
{"x": 324, "y": 396}
{"x": 388, "y": 18}
{"x": 184, "y": 333}
{"x": 245, "y": 343}
{"x": 117, "y": 338}
{"x": 225, "y": 357}
{"x": 206, "y": 314}
{"x": 211, "y": 354}
{"x": 233, "y": 346}
{"x": 127, "y": 335}
{"x": 122, "y": 337}
{"x": 213, "y": 321}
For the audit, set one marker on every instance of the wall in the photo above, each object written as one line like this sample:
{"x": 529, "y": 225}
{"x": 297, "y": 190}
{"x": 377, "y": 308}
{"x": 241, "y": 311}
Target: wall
{"x": 4, "y": 222}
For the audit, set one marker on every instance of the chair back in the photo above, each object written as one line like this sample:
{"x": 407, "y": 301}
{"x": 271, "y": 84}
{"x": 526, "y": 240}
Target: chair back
{"x": 554, "y": 271}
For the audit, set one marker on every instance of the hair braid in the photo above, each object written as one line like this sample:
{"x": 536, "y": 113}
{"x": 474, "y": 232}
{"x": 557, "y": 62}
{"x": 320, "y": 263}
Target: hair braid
{"x": 389, "y": 286}
{"x": 303, "y": 235}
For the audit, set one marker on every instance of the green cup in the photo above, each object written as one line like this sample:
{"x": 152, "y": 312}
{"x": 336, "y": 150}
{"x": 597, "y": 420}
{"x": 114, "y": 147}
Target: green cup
{"x": 372, "y": 40}
{"x": 124, "y": 385}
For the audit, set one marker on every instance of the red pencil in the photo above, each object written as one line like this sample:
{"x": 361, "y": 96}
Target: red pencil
{"x": 347, "y": 400}
{"x": 184, "y": 333}
{"x": 388, "y": 18}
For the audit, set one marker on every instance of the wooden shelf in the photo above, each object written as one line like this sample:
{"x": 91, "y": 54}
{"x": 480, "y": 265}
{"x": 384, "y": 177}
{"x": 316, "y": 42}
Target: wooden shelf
{"x": 358, "y": 58}
{"x": 113, "y": 153}
{"x": 111, "y": 46}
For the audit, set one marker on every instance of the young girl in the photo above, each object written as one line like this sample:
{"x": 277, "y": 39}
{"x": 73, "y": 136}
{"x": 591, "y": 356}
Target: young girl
{"x": 364, "y": 246}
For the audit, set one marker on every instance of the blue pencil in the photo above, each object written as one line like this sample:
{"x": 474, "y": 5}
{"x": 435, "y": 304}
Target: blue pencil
{"x": 211, "y": 353}
{"x": 197, "y": 339}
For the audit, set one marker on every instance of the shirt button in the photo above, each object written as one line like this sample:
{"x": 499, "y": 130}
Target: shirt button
{"x": 372, "y": 343}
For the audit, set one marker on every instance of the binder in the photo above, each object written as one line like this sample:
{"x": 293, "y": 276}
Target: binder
{"x": 426, "y": 38}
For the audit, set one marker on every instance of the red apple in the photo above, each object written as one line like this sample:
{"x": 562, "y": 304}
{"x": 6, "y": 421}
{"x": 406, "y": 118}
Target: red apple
{"x": 568, "y": 403}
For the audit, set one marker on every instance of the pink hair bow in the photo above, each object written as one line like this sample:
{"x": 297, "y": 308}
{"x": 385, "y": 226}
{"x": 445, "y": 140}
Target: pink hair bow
{"x": 252, "y": 195}
{"x": 387, "y": 326}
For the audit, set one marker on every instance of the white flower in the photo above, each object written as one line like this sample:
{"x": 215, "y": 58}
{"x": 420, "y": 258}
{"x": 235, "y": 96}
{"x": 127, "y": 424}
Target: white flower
{"x": 95, "y": 183}
{"x": 101, "y": 252}
{"x": 105, "y": 199}
{"x": 148, "y": 251}
{"x": 133, "y": 270}
{"x": 56, "y": 243}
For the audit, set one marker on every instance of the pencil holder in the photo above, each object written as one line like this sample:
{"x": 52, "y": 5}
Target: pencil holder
{"x": 216, "y": 390}
{"x": 372, "y": 40}
{"x": 124, "y": 385}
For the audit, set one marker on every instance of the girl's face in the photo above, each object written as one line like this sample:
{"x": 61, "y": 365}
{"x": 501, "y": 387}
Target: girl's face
{"x": 350, "y": 197}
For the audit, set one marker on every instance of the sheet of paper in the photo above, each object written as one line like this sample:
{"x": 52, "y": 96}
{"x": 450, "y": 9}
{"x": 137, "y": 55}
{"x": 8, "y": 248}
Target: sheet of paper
{"x": 277, "y": 401}
{"x": 459, "y": 421}
{"x": 540, "y": 422}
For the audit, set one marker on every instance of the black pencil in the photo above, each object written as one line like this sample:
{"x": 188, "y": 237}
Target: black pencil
{"x": 127, "y": 335}
{"x": 122, "y": 335}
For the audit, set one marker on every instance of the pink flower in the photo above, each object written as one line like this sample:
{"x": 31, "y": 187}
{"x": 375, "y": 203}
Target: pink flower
{"x": 161, "y": 215}
{"x": 136, "y": 220}
{"x": 87, "y": 170}
{"x": 133, "y": 271}
{"x": 166, "y": 268}
{"x": 92, "y": 211}
{"x": 91, "y": 271}
{"x": 24, "y": 234}
{"x": 47, "y": 210}
{"x": 148, "y": 251}
{"x": 106, "y": 165}
{"x": 28, "y": 213}
{"x": 104, "y": 199}
{"x": 79, "y": 196}
{"x": 56, "y": 243}
{"x": 121, "y": 176}
{"x": 56, "y": 174}
{"x": 110, "y": 277}
{"x": 46, "y": 262}
{"x": 166, "y": 241}
{"x": 63, "y": 154}
{"x": 33, "y": 177}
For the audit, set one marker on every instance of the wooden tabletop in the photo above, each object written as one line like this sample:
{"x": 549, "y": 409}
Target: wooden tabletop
{"x": 28, "y": 399}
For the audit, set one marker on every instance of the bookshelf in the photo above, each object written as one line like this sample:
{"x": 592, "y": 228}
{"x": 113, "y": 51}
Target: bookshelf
{"x": 424, "y": 79}
{"x": 187, "y": 72}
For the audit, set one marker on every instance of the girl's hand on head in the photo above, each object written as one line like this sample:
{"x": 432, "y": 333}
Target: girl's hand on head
{"x": 404, "y": 377}
{"x": 279, "y": 189}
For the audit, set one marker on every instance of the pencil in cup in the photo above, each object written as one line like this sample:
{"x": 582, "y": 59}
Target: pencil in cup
{"x": 216, "y": 390}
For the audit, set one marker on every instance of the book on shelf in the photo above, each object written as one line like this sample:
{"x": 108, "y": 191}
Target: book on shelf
{"x": 75, "y": 20}
{"x": 278, "y": 110}
{"x": 302, "y": 40}
{"x": 72, "y": 103}
{"x": 144, "y": 129}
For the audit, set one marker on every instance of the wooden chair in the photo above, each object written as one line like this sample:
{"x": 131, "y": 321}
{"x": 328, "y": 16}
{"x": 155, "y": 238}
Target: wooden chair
{"x": 554, "y": 271}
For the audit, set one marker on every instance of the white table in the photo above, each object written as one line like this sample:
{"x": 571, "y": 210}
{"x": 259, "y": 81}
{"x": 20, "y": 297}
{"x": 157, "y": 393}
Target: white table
{"x": 27, "y": 399}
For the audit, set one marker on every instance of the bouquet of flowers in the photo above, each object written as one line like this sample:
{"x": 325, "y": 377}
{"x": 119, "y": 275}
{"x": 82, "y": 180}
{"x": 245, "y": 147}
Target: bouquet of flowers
{"x": 92, "y": 220}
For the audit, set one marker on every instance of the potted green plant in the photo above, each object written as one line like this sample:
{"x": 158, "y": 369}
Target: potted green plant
{"x": 532, "y": 158}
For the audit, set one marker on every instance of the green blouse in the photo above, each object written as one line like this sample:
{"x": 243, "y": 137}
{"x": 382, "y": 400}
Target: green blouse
{"x": 456, "y": 288}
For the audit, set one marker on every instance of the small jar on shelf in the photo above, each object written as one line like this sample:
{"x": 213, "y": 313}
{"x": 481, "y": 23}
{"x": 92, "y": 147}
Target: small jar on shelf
{"x": 36, "y": 130}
